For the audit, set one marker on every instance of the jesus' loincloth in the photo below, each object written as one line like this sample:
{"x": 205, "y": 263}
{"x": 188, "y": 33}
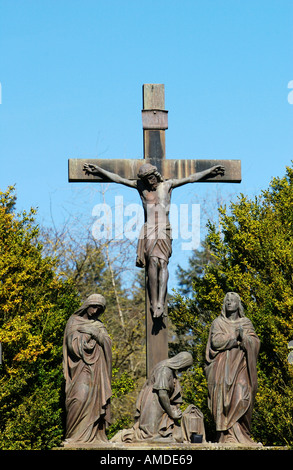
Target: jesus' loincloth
{"x": 154, "y": 240}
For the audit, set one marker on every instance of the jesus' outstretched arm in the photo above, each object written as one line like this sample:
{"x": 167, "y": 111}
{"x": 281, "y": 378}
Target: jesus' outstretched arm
{"x": 210, "y": 173}
{"x": 96, "y": 170}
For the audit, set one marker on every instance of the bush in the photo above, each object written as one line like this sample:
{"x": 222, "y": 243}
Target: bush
{"x": 35, "y": 305}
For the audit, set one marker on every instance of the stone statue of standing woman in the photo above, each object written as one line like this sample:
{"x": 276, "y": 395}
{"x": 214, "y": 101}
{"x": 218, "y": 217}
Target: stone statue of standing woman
{"x": 87, "y": 367}
{"x": 231, "y": 356}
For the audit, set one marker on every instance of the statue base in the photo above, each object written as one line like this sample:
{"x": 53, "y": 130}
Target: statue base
{"x": 166, "y": 446}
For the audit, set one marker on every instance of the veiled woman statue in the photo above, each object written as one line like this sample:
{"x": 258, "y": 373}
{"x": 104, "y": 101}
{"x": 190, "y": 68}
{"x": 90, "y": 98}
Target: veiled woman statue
{"x": 87, "y": 366}
{"x": 231, "y": 356}
{"x": 158, "y": 404}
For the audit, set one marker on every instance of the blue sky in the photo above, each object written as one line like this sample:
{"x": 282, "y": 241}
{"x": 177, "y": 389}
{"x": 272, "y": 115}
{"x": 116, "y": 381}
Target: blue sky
{"x": 72, "y": 73}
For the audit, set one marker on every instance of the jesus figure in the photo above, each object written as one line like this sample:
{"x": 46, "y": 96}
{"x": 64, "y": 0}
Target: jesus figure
{"x": 155, "y": 244}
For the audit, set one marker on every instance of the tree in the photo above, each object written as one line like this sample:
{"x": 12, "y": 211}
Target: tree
{"x": 197, "y": 262}
{"x": 253, "y": 256}
{"x": 35, "y": 304}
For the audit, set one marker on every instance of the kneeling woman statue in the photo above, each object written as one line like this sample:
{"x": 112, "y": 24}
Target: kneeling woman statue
{"x": 158, "y": 411}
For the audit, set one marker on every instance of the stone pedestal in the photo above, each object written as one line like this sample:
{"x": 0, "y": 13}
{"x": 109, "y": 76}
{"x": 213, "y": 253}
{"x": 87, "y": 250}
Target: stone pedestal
{"x": 111, "y": 448}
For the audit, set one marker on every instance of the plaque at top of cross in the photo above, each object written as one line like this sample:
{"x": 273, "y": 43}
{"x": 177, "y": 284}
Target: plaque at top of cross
{"x": 154, "y": 177}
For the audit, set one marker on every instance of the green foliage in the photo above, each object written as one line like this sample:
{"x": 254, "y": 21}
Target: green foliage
{"x": 34, "y": 307}
{"x": 120, "y": 423}
{"x": 121, "y": 383}
{"x": 253, "y": 256}
{"x": 197, "y": 262}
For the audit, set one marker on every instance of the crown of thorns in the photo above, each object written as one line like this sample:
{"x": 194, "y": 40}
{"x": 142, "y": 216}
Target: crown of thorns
{"x": 147, "y": 169}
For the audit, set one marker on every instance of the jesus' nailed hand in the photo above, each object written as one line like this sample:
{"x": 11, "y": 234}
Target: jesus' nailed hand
{"x": 153, "y": 252}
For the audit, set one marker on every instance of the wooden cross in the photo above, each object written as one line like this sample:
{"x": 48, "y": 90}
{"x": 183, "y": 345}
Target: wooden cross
{"x": 155, "y": 122}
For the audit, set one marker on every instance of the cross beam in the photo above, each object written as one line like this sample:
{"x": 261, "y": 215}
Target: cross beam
{"x": 169, "y": 168}
{"x": 155, "y": 122}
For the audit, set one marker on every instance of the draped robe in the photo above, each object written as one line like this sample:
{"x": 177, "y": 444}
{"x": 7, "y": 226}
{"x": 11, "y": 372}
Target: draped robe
{"x": 87, "y": 367}
{"x": 151, "y": 419}
{"x": 232, "y": 377}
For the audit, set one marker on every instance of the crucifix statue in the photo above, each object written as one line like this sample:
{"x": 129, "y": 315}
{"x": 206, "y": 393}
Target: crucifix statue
{"x": 154, "y": 178}
{"x": 154, "y": 245}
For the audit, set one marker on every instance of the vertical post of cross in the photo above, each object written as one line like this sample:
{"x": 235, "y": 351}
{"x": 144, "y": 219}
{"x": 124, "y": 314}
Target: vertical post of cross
{"x": 154, "y": 118}
{"x": 155, "y": 122}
